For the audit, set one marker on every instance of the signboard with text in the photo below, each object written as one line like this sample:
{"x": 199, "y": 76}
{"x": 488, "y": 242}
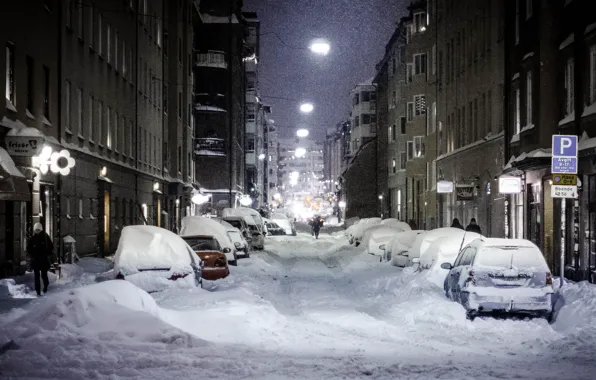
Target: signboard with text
{"x": 560, "y": 191}
{"x": 24, "y": 145}
{"x": 564, "y": 159}
{"x": 565, "y": 179}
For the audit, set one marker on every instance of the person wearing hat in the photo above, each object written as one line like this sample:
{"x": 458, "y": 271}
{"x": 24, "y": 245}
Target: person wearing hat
{"x": 41, "y": 250}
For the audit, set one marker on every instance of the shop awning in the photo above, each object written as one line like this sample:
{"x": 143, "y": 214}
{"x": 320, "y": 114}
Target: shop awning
{"x": 13, "y": 184}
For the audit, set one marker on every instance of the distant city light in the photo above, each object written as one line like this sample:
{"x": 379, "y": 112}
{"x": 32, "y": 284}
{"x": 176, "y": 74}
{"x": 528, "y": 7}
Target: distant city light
{"x": 321, "y": 47}
{"x": 262, "y": 156}
{"x": 306, "y": 107}
{"x": 300, "y": 152}
{"x": 302, "y": 132}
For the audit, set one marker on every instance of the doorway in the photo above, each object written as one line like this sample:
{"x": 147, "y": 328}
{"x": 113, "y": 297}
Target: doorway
{"x": 106, "y": 221}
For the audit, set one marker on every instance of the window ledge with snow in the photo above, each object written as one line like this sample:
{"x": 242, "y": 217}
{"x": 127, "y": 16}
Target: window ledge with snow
{"x": 530, "y": 54}
{"x": 528, "y": 127}
{"x": 29, "y": 114}
{"x": 568, "y": 41}
{"x": 567, "y": 119}
{"x": 46, "y": 122}
{"x": 515, "y": 76}
{"x": 590, "y": 28}
{"x": 589, "y": 110}
{"x": 10, "y": 106}
{"x": 515, "y": 138}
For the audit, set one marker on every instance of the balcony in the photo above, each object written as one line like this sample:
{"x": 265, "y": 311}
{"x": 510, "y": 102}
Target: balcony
{"x": 212, "y": 58}
{"x": 251, "y": 158}
{"x": 251, "y": 126}
{"x": 210, "y": 146}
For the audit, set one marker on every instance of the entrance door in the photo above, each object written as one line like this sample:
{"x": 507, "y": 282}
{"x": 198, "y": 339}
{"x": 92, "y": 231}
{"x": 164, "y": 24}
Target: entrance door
{"x": 106, "y": 221}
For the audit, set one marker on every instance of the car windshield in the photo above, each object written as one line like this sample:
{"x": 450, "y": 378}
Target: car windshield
{"x": 510, "y": 256}
{"x": 235, "y": 223}
{"x": 203, "y": 243}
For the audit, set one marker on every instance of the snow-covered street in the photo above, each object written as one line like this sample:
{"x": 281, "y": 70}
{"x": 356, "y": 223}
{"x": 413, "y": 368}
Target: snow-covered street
{"x": 301, "y": 309}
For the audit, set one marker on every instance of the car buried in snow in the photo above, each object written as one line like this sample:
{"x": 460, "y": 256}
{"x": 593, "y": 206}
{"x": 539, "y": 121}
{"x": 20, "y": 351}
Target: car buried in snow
{"x": 215, "y": 263}
{"x": 500, "y": 276}
{"x": 155, "y": 259}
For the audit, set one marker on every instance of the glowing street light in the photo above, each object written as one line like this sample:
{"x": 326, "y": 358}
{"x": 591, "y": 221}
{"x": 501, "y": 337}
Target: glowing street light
{"x": 306, "y": 107}
{"x": 319, "y": 46}
{"x": 261, "y": 156}
{"x": 302, "y": 132}
{"x": 300, "y": 152}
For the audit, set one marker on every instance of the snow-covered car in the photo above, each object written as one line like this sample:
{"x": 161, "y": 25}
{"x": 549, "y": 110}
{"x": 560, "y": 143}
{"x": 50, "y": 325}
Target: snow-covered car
{"x": 245, "y": 212}
{"x": 236, "y": 236}
{"x": 501, "y": 276}
{"x": 200, "y": 226}
{"x": 215, "y": 263}
{"x": 381, "y": 233}
{"x": 239, "y": 223}
{"x": 155, "y": 259}
{"x": 444, "y": 250}
{"x": 424, "y": 241}
{"x": 273, "y": 228}
{"x": 396, "y": 250}
{"x": 258, "y": 238}
{"x": 358, "y": 231}
{"x": 284, "y": 222}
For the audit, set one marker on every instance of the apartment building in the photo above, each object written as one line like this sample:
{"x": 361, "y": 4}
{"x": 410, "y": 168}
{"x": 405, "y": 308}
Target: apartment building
{"x": 420, "y": 110}
{"x": 220, "y": 98}
{"x": 470, "y": 113}
{"x": 363, "y": 115}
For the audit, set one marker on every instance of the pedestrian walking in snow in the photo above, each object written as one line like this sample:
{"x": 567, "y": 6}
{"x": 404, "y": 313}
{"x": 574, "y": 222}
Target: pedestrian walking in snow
{"x": 316, "y": 226}
{"x": 474, "y": 227}
{"x": 456, "y": 224}
{"x": 41, "y": 250}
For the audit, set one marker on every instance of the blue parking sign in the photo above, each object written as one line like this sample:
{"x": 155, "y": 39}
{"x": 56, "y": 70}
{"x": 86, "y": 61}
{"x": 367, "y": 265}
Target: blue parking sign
{"x": 564, "y": 159}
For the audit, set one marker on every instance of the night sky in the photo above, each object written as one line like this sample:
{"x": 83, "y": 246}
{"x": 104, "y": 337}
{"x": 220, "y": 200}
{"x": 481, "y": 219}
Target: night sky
{"x": 357, "y": 31}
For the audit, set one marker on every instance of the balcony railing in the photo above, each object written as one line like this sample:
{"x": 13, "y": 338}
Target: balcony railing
{"x": 212, "y": 58}
{"x": 251, "y": 158}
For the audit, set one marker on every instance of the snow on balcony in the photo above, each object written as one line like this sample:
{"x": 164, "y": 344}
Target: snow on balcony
{"x": 212, "y": 58}
{"x": 201, "y": 107}
{"x": 210, "y": 146}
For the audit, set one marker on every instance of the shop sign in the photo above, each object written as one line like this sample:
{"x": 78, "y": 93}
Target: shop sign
{"x": 560, "y": 191}
{"x": 564, "y": 159}
{"x": 565, "y": 179}
{"x": 24, "y": 145}
{"x": 465, "y": 192}
{"x": 509, "y": 185}
{"x": 444, "y": 187}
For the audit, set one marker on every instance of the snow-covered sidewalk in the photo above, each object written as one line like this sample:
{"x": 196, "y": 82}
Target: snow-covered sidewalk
{"x": 303, "y": 309}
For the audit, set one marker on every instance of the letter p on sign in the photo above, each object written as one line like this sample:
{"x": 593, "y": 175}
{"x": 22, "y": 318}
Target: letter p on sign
{"x": 564, "y": 146}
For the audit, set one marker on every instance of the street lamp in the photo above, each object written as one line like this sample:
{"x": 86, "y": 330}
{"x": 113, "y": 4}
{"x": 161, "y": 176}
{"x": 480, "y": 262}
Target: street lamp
{"x": 261, "y": 156}
{"x": 320, "y": 47}
{"x": 302, "y": 132}
{"x": 306, "y": 107}
{"x": 300, "y": 152}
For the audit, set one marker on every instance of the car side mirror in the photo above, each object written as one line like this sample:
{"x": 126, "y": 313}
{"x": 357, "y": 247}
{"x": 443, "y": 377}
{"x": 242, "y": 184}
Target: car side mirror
{"x": 382, "y": 247}
{"x": 447, "y": 266}
{"x": 226, "y": 250}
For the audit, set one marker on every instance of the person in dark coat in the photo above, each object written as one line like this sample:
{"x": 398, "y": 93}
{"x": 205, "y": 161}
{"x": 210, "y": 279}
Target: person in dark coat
{"x": 41, "y": 250}
{"x": 456, "y": 224}
{"x": 316, "y": 226}
{"x": 474, "y": 227}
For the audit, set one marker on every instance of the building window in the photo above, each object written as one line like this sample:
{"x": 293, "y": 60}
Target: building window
{"x": 394, "y": 166}
{"x": 68, "y": 15}
{"x": 115, "y": 141}
{"x": 159, "y": 32}
{"x": 391, "y": 129}
{"x": 250, "y": 112}
{"x": 409, "y": 72}
{"x": 80, "y": 111}
{"x": 410, "y": 111}
{"x": 108, "y": 139}
{"x": 420, "y": 22}
{"x": 393, "y": 66}
{"x": 516, "y": 22}
{"x": 592, "y": 74}
{"x": 124, "y": 59}
{"x": 10, "y": 73}
{"x": 180, "y": 50}
{"x": 517, "y": 112}
{"x": 410, "y": 150}
{"x": 432, "y": 120}
{"x": 99, "y": 124}
{"x": 91, "y": 25}
{"x": 569, "y": 87}
{"x": 67, "y": 96}
{"x": 46, "y": 93}
{"x": 402, "y": 160}
{"x": 80, "y": 27}
{"x": 394, "y": 133}
{"x": 90, "y": 109}
{"x": 180, "y": 105}
{"x": 30, "y": 83}
{"x": 419, "y": 146}
{"x": 116, "y": 47}
{"x": 100, "y": 34}
{"x": 420, "y": 63}
{"x": 529, "y": 9}
{"x": 109, "y": 43}
{"x": 130, "y": 138}
{"x": 433, "y": 59}
{"x": 528, "y": 98}
{"x": 420, "y": 105}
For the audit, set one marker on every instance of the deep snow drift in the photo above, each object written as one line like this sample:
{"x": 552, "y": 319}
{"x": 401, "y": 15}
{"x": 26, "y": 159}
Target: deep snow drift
{"x": 304, "y": 308}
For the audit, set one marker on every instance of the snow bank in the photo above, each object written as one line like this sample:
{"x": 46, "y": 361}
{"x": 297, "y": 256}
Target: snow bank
{"x": 579, "y": 310}
{"x": 10, "y": 289}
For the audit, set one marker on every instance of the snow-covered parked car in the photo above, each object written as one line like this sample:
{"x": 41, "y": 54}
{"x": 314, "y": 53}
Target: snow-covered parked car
{"x": 424, "y": 241}
{"x": 444, "y": 250}
{"x": 273, "y": 229}
{"x": 200, "y": 226}
{"x": 284, "y": 222}
{"x": 236, "y": 236}
{"x": 501, "y": 276}
{"x": 358, "y": 231}
{"x": 381, "y": 233}
{"x": 215, "y": 263}
{"x": 155, "y": 259}
{"x": 397, "y": 248}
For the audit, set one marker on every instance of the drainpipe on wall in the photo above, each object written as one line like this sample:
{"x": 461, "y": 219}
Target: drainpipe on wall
{"x": 58, "y": 192}
{"x": 230, "y": 101}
